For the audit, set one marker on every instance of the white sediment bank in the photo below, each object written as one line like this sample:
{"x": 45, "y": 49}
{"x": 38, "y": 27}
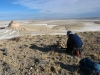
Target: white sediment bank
{"x": 48, "y": 29}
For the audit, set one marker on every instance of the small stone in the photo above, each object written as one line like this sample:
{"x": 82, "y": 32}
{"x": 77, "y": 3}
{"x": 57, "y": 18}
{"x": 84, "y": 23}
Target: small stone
{"x": 37, "y": 70}
{"x": 6, "y": 67}
{"x": 52, "y": 69}
{"x": 5, "y": 53}
{"x": 21, "y": 68}
{"x": 36, "y": 61}
{"x": 23, "y": 46}
{"x": 31, "y": 69}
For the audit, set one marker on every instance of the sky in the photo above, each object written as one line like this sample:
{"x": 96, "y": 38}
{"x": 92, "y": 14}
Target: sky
{"x": 48, "y": 9}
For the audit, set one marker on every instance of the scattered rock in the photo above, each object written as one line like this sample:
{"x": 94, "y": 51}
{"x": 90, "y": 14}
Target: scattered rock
{"x": 4, "y": 51}
{"x": 53, "y": 69}
{"x": 36, "y": 61}
{"x": 23, "y": 46}
{"x": 6, "y": 67}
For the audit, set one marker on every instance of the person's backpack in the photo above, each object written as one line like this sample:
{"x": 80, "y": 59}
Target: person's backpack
{"x": 91, "y": 67}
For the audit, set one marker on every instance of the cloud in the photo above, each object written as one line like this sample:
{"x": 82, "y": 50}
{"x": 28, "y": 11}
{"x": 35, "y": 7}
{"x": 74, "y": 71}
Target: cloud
{"x": 53, "y": 9}
{"x": 61, "y": 6}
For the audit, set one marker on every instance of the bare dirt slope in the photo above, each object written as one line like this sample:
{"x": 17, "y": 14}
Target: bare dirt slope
{"x": 43, "y": 55}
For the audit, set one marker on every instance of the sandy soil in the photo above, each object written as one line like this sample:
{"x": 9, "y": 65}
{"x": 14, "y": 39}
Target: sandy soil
{"x": 43, "y": 54}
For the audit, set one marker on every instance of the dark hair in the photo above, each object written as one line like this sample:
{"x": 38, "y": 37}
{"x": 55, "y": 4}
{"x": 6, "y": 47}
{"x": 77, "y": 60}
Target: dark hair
{"x": 68, "y": 32}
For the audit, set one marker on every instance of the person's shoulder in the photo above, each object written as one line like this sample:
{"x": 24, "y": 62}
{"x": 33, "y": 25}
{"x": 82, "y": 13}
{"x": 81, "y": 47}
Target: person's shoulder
{"x": 73, "y": 35}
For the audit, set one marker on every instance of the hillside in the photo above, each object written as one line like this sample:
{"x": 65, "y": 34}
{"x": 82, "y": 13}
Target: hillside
{"x": 43, "y": 54}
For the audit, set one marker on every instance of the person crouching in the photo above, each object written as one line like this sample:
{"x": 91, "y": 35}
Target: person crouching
{"x": 74, "y": 44}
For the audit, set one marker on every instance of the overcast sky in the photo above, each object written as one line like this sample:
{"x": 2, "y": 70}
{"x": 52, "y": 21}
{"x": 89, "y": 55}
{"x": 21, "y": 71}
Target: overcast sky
{"x": 48, "y": 9}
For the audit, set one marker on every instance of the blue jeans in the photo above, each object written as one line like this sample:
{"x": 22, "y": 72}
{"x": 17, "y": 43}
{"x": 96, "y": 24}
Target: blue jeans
{"x": 87, "y": 64}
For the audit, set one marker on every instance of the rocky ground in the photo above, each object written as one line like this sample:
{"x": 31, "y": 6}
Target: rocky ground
{"x": 45, "y": 54}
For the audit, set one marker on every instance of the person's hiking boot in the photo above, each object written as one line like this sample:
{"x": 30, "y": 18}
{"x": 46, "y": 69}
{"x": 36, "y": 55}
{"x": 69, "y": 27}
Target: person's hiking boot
{"x": 77, "y": 53}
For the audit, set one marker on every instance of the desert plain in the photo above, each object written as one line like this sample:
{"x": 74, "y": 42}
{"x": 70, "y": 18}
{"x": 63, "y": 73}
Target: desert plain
{"x": 37, "y": 47}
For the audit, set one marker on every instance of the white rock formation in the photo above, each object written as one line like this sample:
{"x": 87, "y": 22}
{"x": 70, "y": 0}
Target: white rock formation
{"x": 15, "y": 26}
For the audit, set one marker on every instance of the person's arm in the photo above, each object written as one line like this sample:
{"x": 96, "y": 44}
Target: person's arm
{"x": 68, "y": 42}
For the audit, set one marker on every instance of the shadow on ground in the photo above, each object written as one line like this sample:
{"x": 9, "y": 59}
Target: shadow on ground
{"x": 72, "y": 68}
{"x": 48, "y": 48}
{"x": 68, "y": 67}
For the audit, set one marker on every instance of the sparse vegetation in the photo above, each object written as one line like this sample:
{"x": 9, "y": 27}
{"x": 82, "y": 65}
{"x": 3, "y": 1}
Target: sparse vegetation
{"x": 44, "y": 55}
{"x": 17, "y": 39}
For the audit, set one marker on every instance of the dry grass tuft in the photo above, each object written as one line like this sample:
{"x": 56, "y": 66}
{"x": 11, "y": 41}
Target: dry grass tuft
{"x": 17, "y": 39}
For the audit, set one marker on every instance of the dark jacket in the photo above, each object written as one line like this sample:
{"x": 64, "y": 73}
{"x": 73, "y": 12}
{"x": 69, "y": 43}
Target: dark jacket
{"x": 88, "y": 65}
{"x": 74, "y": 41}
